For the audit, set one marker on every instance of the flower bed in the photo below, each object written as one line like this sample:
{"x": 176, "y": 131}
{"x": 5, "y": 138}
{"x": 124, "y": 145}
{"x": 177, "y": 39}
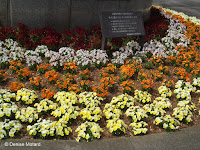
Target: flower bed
{"x": 67, "y": 92}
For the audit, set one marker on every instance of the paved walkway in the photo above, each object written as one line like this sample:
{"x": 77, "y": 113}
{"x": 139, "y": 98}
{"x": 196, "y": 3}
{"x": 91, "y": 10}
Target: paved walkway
{"x": 185, "y": 139}
{"x": 189, "y": 7}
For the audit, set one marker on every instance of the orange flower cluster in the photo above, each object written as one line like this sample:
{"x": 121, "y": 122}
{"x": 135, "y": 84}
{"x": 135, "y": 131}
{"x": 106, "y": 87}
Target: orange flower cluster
{"x": 23, "y": 74}
{"x": 3, "y": 76}
{"x": 15, "y": 65}
{"x": 196, "y": 71}
{"x": 36, "y": 83}
{"x": 157, "y": 61}
{"x": 15, "y": 86}
{"x": 47, "y": 93}
{"x": 158, "y": 76}
{"x": 42, "y": 68}
{"x": 85, "y": 85}
{"x": 182, "y": 74}
{"x": 128, "y": 87}
{"x": 127, "y": 71}
{"x": 52, "y": 76}
{"x": 172, "y": 60}
{"x": 164, "y": 69}
{"x": 108, "y": 83}
{"x": 64, "y": 84}
{"x": 137, "y": 65}
{"x": 109, "y": 69}
{"x": 70, "y": 67}
{"x": 147, "y": 84}
{"x": 101, "y": 92}
{"x": 143, "y": 75}
{"x": 85, "y": 75}
{"x": 168, "y": 83}
{"x": 189, "y": 66}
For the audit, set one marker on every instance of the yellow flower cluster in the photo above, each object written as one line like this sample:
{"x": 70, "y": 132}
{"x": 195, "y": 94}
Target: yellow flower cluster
{"x": 45, "y": 128}
{"x": 164, "y": 91}
{"x": 183, "y": 111}
{"x": 6, "y": 96}
{"x": 162, "y": 102}
{"x": 89, "y": 131}
{"x": 66, "y": 112}
{"x": 116, "y": 126}
{"x": 139, "y": 127}
{"x": 183, "y": 90}
{"x": 152, "y": 110}
{"x": 7, "y": 110}
{"x": 9, "y": 128}
{"x": 135, "y": 113}
{"x": 167, "y": 122}
{"x": 111, "y": 111}
{"x": 92, "y": 113}
{"x": 89, "y": 99}
{"x": 123, "y": 101}
{"x": 142, "y": 96}
{"x": 26, "y": 96}
{"x": 45, "y": 105}
{"x": 28, "y": 114}
{"x": 66, "y": 97}
{"x": 196, "y": 83}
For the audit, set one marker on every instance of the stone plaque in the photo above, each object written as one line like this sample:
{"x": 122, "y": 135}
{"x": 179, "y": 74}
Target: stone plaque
{"x": 121, "y": 24}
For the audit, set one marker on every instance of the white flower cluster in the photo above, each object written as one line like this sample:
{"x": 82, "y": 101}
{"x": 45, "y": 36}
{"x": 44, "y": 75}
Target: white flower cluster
{"x": 162, "y": 102}
{"x": 119, "y": 58}
{"x": 26, "y": 96}
{"x": 17, "y": 53}
{"x": 123, "y": 101}
{"x": 6, "y": 96}
{"x": 111, "y": 111}
{"x": 28, "y": 115}
{"x": 83, "y": 59}
{"x": 116, "y": 126}
{"x": 164, "y": 91}
{"x": 45, "y": 128}
{"x": 139, "y": 127}
{"x": 45, "y": 105}
{"x": 183, "y": 111}
{"x": 167, "y": 122}
{"x": 142, "y": 96}
{"x": 183, "y": 90}
{"x": 7, "y": 110}
{"x": 9, "y": 128}
{"x": 88, "y": 131}
{"x": 41, "y": 50}
{"x": 68, "y": 53}
{"x": 99, "y": 57}
{"x": 32, "y": 58}
{"x": 136, "y": 114}
{"x": 9, "y": 43}
{"x": 89, "y": 99}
